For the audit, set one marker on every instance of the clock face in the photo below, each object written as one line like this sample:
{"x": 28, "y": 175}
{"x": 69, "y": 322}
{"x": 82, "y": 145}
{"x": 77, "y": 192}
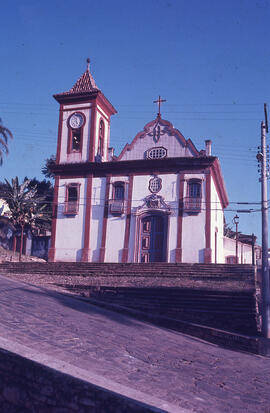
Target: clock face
{"x": 76, "y": 121}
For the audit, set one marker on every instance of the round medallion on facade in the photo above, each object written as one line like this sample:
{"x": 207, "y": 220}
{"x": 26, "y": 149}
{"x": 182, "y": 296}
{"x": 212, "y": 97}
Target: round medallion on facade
{"x": 155, "y": 184}
{"x": 76, "y": 120}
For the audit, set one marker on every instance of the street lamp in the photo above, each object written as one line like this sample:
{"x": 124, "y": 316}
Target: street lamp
{"x": 236, "y": 222}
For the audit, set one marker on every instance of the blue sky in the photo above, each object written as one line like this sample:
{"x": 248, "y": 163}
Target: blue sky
{"x": 208, "y": 59}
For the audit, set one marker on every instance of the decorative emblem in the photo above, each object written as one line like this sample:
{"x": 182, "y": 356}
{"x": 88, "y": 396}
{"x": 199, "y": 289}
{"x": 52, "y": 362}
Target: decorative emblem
{"x": 154, "y": 201}
{"x": 76, "y": 121}
{"x": 157, "y": 132}
{"x": 155, "y": 184}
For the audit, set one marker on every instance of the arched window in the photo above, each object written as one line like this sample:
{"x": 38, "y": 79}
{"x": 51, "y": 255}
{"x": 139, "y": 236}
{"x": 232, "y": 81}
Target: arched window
{"x": 101, "y": 138}
{"x": 119, "y": 191}
{"x": 72, "y": 199}
{"x": 194, "y": 189}
{"x": 117, "y": 203}
{"x": 75, "y": 126}
{"x": 193, "y": 199}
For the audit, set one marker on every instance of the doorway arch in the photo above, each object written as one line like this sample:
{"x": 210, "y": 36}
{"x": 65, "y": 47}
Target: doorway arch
{"x": 152, "y": 237}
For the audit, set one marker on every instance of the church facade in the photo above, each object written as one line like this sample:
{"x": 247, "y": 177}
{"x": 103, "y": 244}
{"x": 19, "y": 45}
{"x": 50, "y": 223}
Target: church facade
{"x": 160, "y": 200}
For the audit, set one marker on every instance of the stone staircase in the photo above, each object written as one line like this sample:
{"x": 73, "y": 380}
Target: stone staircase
{"x": 215, "y": 295}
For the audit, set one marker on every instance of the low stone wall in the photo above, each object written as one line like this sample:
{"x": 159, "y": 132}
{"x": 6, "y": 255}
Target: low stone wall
{"x": 28, "y": 385}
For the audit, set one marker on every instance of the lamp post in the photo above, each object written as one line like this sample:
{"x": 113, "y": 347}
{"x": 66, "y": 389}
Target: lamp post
{"x": 236, "y": 222}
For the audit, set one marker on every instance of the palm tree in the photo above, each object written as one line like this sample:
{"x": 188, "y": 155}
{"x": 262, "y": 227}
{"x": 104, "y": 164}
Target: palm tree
{"x": 26, "y": 208}
{"x": 5, "y": 134}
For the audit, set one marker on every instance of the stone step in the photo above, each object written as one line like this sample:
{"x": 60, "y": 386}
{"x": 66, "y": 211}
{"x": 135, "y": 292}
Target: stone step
{"x": 145, "y": 267}
{"x": 191, "y": 304}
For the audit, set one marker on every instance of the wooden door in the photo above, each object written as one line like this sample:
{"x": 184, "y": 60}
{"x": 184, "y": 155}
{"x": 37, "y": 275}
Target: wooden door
{"x": 152, "y": 239}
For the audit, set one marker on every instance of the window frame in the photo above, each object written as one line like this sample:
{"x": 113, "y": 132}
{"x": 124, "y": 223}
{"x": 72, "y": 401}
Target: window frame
{"x": 101, "y": 138}
{"x": 157, "y": 148}
{"x": 194, "y": 181}
{"x": 115, "y": 185}
{"x": 68, "y": 210}
{"x": 74, "y": 131}
{"x": 193, "y": 203}
{"x": 117, "y": 205}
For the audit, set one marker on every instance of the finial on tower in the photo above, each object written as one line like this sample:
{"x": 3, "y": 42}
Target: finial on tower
{"x": 88, "y": 63}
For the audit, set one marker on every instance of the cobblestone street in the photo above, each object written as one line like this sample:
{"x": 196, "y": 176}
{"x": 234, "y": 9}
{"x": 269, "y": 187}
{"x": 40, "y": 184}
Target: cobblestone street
{"x": 184, "y": 371}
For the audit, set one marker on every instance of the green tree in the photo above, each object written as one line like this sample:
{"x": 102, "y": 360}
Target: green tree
{"x": 27, "y": 209}
{"x": 47, "y": 168}
{"x": 5, "y": 134}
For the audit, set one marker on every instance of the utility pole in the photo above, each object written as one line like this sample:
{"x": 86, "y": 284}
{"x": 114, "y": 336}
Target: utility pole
{"x": 265, "y": 293}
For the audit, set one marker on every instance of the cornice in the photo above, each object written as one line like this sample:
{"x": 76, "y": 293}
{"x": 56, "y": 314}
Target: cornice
{"x": 170, "y": 165}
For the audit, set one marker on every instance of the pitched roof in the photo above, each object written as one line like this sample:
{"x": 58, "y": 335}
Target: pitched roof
{"x": 85, "y": 83}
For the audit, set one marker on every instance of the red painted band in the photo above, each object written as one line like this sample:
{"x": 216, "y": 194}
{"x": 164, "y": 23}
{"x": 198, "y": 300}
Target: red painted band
{"x": 105, "y": 221}
{"x": 128, "y": 219}
{"x": 178, "y": 252}
{"x": 87, "y": 220}
{"x": 59, "y": 139}
{"x": 51, "y": 253}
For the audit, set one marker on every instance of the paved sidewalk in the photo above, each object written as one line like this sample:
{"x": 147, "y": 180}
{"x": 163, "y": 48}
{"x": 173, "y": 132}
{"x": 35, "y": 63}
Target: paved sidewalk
{"x": 181, "y": 370}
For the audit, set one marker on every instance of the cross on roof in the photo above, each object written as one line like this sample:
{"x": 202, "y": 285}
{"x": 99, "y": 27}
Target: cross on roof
{"x": 159, "y": 101}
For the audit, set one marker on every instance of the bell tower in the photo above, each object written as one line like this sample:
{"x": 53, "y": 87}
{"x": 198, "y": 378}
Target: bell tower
{"x": 84, "y": 122}
{"x": 83, "y": 138}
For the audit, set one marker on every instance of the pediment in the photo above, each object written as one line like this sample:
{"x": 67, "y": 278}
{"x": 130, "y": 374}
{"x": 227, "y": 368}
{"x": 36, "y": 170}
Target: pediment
{"x": 158, "y": 133}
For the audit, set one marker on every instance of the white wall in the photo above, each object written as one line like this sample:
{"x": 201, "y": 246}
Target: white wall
{"x": 75, "y": 157}
{"x": 169, "y": 193}
{"x": 69, "y": 229}
{"x": 217, "y": 224}
{"x": 193, "y": 227}
{"x": 172, "y": 143}
{"x": 116, "y": 226}
{"x": 102, "y": 115}
{"x": 244, "y": 250}
{"x": 96, "y": 221}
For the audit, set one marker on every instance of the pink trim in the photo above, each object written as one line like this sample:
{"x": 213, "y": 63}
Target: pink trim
{"x": 101, "y": 112}
{"x": 105, "y": 221}
{"x": 59, "y": 139}
{"x": 77, "y": 109}
{"x": 128, "y": 219}
{"x": 106, "y": 120}
{"x": 207, "y": 250}
{"x": 70, "y": 98}
{"x": 192, "y": 147}
{"x": 51, "y": 253}
{"x": 171, "y": 131}
{"x": 178, "y": 252}
{"x": 219, "y": 183}
{"x": 87, "y": 220}
{"x": 92, "y": 140}
{"x": 70, "y": 130}
{"x": 138, "y": 229}
{"x": 76, "y": 210}
{"x": 136, "y": 167}
{"x": 101, "y": 136}
{"x": 105, "y": 105}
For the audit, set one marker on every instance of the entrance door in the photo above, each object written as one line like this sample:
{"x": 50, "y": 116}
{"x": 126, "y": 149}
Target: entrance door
{"x": 152, "y": 239}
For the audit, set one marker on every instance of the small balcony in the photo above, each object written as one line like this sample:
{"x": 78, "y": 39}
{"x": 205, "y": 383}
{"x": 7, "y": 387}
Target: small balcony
{"x": 117, "y": 206}
{"x": 192, "y": 205}
{"x": 71, "y": 207}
